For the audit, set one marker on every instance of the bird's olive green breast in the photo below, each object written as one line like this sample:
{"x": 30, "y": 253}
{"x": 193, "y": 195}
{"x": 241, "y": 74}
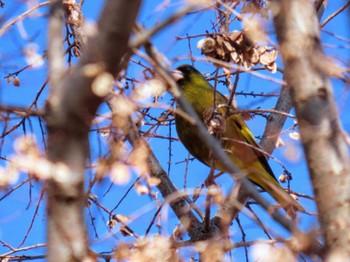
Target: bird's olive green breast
{"x": 200, "y": 95}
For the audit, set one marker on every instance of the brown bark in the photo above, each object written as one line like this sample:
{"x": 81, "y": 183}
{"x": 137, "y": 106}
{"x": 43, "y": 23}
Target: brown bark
{"x": 322, "y": 136}
{"x": 70, "y": 109}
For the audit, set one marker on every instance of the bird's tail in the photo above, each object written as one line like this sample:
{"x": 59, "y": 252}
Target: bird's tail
{"x": 270, "y": 185}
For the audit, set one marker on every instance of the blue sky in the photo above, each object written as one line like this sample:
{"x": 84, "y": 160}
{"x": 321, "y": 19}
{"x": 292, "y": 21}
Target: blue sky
{"x": 17, "y": 209}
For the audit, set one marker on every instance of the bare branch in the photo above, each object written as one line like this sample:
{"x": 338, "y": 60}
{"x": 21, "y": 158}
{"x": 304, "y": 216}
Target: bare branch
{"x": 341, "y": 9}
{"x": 21, "y": 17}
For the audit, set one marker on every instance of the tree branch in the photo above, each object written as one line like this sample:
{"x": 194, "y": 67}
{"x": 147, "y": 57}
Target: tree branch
{"x": 169, "y": 191}
{"x": 70, "y": 108}
{"x": 297, "y": 31}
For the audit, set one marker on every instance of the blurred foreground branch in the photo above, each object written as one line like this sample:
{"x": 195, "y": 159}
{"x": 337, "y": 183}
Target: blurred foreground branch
{"x": 320, "y": 129}
{"x": 71, "y": 106}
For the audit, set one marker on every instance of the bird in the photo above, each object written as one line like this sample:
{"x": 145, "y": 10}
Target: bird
{"x": 230, "y": 129}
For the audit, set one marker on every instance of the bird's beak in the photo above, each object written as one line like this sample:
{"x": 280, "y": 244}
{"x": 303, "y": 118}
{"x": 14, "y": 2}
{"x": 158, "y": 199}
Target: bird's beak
{"x": 177, "y": 74}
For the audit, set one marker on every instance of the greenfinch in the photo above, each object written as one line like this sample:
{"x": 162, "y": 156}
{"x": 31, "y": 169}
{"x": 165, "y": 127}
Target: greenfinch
{"x": 231, "y": 131}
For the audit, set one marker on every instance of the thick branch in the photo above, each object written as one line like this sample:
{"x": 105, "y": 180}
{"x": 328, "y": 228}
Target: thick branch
{"x": 70, "y": 108}
{"x": 297, "y": 30}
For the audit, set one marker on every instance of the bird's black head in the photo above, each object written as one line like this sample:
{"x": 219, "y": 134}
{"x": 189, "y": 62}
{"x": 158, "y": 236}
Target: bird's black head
{"x": 187, "y": 69}
{"x": 184, "y": 73}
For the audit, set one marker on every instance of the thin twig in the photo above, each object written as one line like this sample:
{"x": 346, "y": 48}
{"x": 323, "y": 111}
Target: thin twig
{"x": 21, "y": 17}
{"x": 329, "y": 18}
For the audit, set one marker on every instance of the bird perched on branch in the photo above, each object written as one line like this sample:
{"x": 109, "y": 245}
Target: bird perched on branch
{"x": 232, "y": 132}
